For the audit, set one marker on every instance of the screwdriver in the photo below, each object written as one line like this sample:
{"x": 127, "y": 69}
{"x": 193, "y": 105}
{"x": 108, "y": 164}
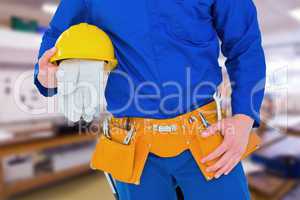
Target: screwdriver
{"x": 204, "y": 120}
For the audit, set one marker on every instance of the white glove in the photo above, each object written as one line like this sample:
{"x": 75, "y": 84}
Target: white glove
{"x": 80, "y": 88}
{"x": 91, "y": 86}
{"x": 67, "y": 79}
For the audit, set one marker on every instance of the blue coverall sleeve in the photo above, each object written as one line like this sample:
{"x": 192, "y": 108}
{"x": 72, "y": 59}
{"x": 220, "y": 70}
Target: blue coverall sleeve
{"x": 237, "y": 27}
{"x": 68, "y": 13}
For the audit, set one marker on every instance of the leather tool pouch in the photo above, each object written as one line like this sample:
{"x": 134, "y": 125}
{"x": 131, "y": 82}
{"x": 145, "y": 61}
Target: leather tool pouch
{"x": 114, "y": 157}
{"x": 202, "y": 147}
{"x": 208, "y": 145}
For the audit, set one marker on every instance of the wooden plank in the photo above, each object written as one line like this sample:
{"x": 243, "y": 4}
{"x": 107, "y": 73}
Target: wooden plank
{"x": 43, "y": 180}
{"x": 2, "y": 185}
{"x": 267, "y": 185}
{"x": 44, "y": 144}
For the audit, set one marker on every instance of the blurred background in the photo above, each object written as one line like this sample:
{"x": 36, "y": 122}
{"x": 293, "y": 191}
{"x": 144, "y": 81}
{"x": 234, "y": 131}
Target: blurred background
{"x": 43, "y": 156}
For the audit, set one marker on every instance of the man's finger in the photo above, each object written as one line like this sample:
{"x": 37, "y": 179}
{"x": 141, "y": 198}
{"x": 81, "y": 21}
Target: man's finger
{"x": 53, "y": 66}
{"x": 45, "y": 59}
{"x": 216, "y": 153}
{"x": 211, "y": 130}
{"x": 222, "y": 162}
{"x": 229, "y": 165}
{"x": 48, "y": 70}
{"x": 235, "y": 163}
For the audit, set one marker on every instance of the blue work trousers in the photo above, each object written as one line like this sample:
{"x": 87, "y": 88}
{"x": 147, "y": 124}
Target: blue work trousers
{"x": 161, "y": 176}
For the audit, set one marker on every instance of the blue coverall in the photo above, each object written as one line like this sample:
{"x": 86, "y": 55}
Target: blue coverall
{"x": 168, "y": 54}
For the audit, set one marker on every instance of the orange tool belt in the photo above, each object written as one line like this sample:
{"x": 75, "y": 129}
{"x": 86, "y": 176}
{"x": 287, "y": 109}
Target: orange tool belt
{"x": 124, "y": 151}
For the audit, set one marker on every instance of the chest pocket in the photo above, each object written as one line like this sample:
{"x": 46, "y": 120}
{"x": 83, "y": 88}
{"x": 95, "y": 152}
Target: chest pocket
{"x": 189, "y": 21}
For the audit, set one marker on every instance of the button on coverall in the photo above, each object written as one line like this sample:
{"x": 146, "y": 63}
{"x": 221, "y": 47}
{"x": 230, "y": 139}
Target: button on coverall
{"x": 168, "y": 54}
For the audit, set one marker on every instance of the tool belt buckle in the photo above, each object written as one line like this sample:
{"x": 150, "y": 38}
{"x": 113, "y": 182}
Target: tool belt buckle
{"x": 165, "y": 129}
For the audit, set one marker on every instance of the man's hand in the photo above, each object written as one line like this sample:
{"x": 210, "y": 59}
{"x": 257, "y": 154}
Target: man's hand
{"x": 47, "y": 70}
{"x": 236, "y": 132}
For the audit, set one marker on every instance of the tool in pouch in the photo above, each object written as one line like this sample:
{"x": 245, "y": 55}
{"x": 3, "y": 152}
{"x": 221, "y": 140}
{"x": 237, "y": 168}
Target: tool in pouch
{"x": 105, "y": 128}
{"x": 115, "y": 152}
{"x": 205, "y": 123}
{"x": 218, "y": 99}
{"x": 106, "y": 131}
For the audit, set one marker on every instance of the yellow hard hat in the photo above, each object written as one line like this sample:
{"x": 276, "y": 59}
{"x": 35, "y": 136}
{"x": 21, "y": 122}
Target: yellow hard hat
{"x": 84, "y": 41}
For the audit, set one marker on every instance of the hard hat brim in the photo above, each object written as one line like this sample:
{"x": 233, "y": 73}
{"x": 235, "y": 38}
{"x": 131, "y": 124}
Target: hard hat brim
{"x": 111, "y": 63}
